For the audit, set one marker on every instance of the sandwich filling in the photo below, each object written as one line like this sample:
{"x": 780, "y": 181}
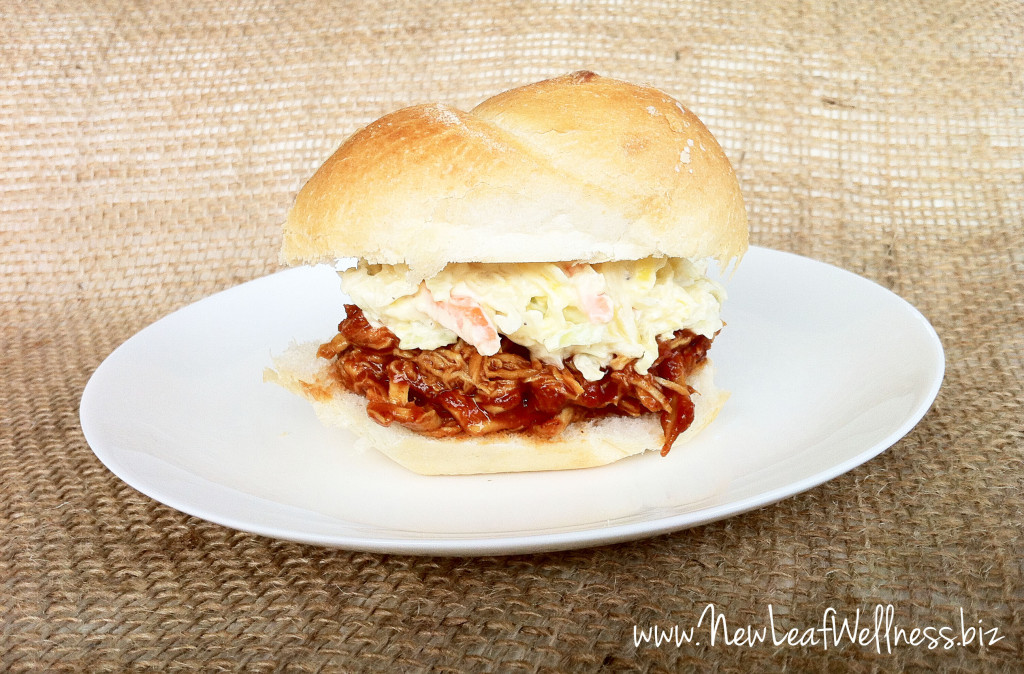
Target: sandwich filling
{"x": 590, "y": 315}
{"x": 487, "y": 348}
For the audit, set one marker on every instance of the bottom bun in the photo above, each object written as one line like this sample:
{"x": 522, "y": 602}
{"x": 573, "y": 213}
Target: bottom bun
{"x": 581, "y": 445}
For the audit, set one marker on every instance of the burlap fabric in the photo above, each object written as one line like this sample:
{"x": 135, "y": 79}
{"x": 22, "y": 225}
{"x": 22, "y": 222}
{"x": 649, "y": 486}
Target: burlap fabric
{"x": 150, "y": 151}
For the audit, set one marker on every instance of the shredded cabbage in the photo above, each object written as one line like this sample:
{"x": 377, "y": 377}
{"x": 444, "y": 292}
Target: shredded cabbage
{"x": 589, "y": 313}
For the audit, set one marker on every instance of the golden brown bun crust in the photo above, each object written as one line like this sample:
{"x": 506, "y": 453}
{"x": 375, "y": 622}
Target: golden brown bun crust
{"x": 582, "y": 445}
{"x": 580, "y": 167}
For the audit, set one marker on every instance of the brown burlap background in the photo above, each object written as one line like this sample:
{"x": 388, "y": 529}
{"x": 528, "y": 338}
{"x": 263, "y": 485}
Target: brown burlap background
{"x": 150, "y": 151}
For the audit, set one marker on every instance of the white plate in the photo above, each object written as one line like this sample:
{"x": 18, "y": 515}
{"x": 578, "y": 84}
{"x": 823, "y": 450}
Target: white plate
{"x": 826, "y": 370}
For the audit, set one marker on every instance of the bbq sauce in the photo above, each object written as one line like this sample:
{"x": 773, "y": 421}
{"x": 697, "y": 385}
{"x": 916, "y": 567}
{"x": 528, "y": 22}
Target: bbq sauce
{"x": 450, "y": 392}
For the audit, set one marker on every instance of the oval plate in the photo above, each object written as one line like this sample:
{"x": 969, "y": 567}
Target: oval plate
{"x": 826, "y": 370}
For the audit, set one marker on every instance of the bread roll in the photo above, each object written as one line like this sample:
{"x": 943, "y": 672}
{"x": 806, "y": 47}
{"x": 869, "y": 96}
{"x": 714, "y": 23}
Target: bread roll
{"x": 581, "y": 445}
{"x": 580, "y": 167}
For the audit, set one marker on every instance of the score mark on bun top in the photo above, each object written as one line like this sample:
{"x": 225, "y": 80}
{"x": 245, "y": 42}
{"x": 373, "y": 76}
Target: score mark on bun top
{"x": 532, "y": 289}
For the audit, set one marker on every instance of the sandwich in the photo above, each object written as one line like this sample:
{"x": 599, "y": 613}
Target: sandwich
{"x": 531, "y": 286}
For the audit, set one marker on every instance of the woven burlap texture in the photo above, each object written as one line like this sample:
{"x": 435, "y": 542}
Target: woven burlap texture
{"x": 151, "y": 150}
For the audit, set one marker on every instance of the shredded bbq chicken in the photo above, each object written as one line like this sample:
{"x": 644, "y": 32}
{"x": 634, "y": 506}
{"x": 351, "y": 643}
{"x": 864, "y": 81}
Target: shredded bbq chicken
{"x": 454, "y": 391}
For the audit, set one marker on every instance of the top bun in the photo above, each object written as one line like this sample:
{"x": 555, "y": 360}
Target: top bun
{"x": 575, "y": 168}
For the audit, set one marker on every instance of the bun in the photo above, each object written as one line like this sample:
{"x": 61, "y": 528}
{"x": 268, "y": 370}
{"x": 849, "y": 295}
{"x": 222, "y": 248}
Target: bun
{"x": 580, "y": 167}
{"x": 581, "y": 445}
